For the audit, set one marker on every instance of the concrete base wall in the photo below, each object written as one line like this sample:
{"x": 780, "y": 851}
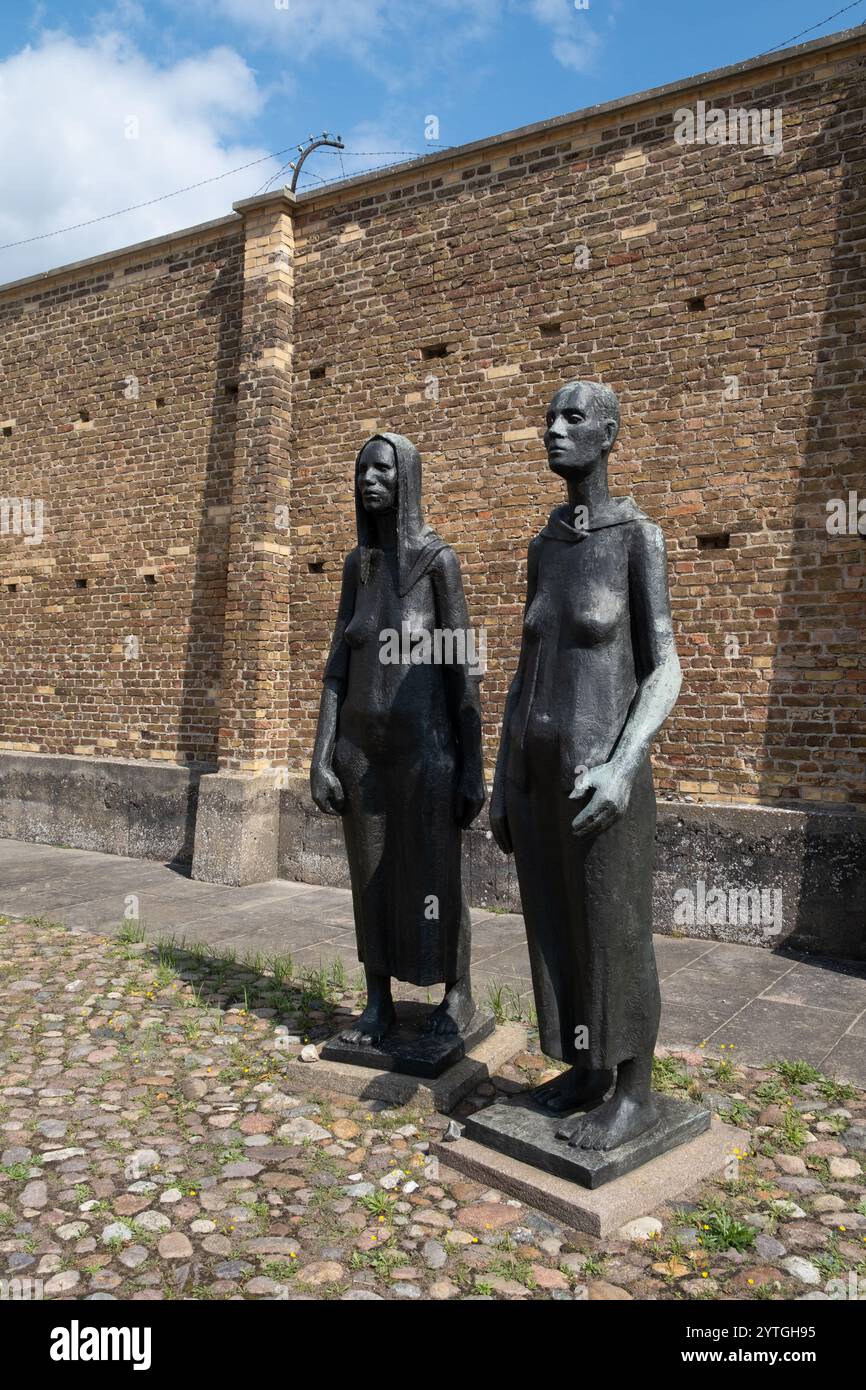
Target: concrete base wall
{"x": 144, "y": 810}
{"x": 758, "y": 875}
{"x": 237, "y": 829}
{"x": 811, "y": 866}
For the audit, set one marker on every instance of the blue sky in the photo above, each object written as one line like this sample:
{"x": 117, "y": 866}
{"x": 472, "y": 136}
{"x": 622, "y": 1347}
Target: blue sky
{"x": 104, "y": 105}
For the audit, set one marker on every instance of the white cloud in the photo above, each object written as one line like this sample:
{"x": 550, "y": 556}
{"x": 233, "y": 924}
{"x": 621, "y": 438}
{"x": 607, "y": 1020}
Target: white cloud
{"x": 67, "y": 110}
{"x": 396, "y": 39}
{"x": 308, "y": 25}
{"x": 575, "y": 43}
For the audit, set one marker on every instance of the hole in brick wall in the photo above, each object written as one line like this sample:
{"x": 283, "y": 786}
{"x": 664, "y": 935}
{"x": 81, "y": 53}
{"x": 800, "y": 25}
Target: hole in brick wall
{"x": 434, "y": 350}
{"x": 81, "y": 583}
{"x": 7, "y": 431}
{"x": 160, "y": 401}
{"x": 84, "y": 415}
{"x": 150, "y": 579}
{"x": 232, "y": 389}
{"x": 318, "y": 373}
{"x": 696, "y": 303}
{"x": 717, "y": 540}
{"x": 12, "y": 588}
{"x": 550, "y": 330}
{"x": 316, "y": 566}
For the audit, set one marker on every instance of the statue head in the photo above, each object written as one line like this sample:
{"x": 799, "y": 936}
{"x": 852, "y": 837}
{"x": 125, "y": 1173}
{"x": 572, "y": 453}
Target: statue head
{"x": 376, "y": 476}
{"x": 388, "y": 483}
{"x": 582, "y": 424}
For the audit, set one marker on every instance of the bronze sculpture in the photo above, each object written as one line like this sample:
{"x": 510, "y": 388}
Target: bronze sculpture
{"x": 598, "y": 675}
{"x": 398, "y": 747}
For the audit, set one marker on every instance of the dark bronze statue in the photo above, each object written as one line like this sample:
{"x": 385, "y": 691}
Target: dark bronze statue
{"x": 598, "y": 675}
{"x": 398, "y": 748}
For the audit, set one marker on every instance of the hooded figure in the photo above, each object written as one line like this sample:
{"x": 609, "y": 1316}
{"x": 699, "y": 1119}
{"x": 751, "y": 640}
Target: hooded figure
{"x": 398, "y": 748}
{"x": 417, "y": 544}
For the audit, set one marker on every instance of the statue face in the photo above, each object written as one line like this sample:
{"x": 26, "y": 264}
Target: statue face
{"x": 575, "y": 437}
{"x": 377, "y": 477}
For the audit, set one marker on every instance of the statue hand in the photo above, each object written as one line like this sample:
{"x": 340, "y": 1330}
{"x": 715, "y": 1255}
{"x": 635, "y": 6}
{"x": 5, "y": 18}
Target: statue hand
{"x": 327, "y": 791}
{"x": 499, "y": 821}
{"x": 610, "y": 790}
{"x": 469, "y": 799}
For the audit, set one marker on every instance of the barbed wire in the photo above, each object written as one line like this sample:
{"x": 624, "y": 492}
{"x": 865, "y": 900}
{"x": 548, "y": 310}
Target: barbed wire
{"x": 214, "y": 178}
{"x": 812, "y": 28}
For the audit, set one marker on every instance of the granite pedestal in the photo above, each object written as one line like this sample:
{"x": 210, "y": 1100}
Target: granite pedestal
{"x": 407, "y": 1048}
{"x": 481, "y": 1062}
{"x": 527, "y": 1131}
{"x": 603, "y": 1210}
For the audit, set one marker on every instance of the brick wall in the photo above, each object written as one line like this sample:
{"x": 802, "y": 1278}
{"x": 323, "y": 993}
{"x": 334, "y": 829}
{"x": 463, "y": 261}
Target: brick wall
{"x": 447, "y": 302}
{"x": 487, "y": 261}
{"x": 118, "y": 385}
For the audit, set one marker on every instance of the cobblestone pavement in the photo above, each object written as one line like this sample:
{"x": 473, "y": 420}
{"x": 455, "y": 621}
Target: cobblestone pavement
{"x": 162, "y": 1139}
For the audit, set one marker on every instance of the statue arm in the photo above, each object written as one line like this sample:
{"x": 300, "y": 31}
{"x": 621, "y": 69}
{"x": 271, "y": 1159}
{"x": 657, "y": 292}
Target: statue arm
{"x": 658, "y": 683}
{"x": 464, "y": 702}
{"x": 656, "y": 661}
{"x": 324, "y": 783}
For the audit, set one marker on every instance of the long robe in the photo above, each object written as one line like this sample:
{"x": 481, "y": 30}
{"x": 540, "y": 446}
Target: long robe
{"x": 587, "y": 901}
{"x": 404, "y": 734}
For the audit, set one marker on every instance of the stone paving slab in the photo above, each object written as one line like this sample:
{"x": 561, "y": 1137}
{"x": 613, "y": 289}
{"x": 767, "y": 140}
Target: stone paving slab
{"x": 770, "y": 1030}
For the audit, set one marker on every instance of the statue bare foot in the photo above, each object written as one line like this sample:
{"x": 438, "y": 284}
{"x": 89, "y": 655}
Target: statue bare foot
{"x": 373, "y": 1024}
{"x": 455, "y": 1013}
{"x": 577, "y": 1086}
{"x": 620, "y": 1119}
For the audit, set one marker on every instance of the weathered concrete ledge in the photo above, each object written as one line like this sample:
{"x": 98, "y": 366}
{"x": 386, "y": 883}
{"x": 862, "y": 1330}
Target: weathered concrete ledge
{"x": 237, "y": 829}
{"x": 118, "y": 806}
{"x": 758, "y": 875}
{"x": 815, "y": 861}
